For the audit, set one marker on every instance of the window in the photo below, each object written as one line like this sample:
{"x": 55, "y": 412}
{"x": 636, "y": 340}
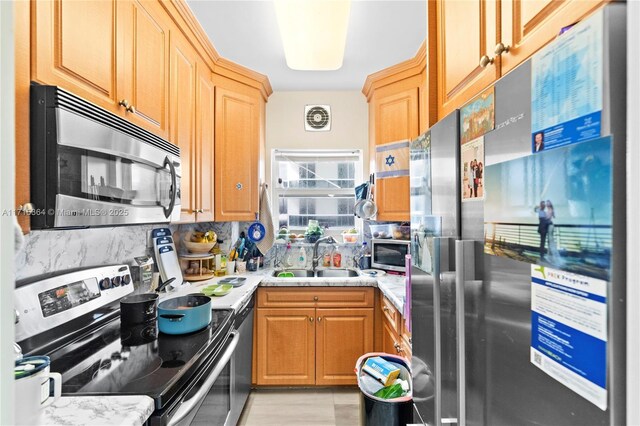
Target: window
{"x": 315, "y": 184}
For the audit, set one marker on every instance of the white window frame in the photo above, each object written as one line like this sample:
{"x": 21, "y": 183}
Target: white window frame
{"x": 277, "y": 190}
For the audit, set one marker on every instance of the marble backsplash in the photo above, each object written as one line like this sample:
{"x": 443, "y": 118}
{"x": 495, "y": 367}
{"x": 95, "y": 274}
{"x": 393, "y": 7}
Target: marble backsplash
{"x": 53, "y": 251}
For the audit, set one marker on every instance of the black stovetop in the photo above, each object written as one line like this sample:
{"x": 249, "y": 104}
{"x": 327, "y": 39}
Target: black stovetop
{"x": 138, "y": 360}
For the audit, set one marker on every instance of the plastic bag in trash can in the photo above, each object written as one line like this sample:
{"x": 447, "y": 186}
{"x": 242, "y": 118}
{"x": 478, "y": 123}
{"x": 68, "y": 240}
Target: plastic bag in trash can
{"x": 370, "y": 385}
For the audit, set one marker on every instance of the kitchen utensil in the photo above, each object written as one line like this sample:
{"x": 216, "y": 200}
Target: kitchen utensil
{"x": 185, "y": 314}
{"x": 199, "y": 247}
{"x": 166, "y": 255}
{"x": 374, "y": 272}
{"x": 33, "y": 386}
{"x": 217, "y": 290}
{"x": 234, "y": 281}
{"x": 367, "y": 208}
{"x": 140, "y": 308}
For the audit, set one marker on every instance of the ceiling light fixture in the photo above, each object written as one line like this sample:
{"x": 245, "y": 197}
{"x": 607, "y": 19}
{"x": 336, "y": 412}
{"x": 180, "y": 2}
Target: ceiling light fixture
{"x": 314, "y": 32}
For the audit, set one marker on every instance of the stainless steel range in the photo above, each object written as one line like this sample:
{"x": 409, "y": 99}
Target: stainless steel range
{"x": 74, "y": 318}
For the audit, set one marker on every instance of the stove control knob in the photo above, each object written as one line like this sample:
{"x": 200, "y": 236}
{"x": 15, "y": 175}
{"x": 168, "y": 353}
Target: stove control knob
{"x": 105, "y": 284}
{"x": 126, "y": 279}
{"x": 115, "y": 281}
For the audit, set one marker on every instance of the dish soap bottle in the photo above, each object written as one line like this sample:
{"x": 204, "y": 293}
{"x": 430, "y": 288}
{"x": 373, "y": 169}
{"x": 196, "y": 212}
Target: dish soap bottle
{"x": 288, "y": 256}
{"x": 302, "y": 258}
{"x": 326, "y": 258}
{"x": 337, "y": 258}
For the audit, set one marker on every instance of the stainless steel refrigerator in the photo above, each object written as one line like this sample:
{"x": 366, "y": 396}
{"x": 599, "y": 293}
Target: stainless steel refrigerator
{"x": 472, "y": 311}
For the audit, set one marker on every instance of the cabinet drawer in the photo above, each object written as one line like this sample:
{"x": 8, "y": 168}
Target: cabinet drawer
{"x": 323, "y": 297}
{"x": 390, "y": 314}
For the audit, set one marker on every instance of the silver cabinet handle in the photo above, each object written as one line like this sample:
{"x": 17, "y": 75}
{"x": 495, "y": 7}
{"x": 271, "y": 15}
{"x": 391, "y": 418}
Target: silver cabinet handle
{"x": 319, "y": 319}
{"x": 310, "y": 319}
{"x": 485, "y": 61}
{"x": 239, "y": 186}
{"x": 501, "y": 48}
{"x": 187, "y": 406}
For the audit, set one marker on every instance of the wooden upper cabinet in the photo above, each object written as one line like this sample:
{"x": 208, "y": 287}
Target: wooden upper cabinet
{"x": 529, "y": 25}
{"x": 183, "y": 61}
{"x": 204, "y": 154}
{"x": 285, "y": 346}
{"x": 143, "y": 64}
{"x": 237, "y": 150}
{"x": 343, "y": 336}
{"x": 396, "y": 113}
{"x": 466, "y": 31}
{"x": 505, "y": 33}
{"x": 75, "y": 48}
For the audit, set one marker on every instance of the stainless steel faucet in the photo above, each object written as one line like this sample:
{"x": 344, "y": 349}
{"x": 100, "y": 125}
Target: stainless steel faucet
{"x": 328, "y": 239}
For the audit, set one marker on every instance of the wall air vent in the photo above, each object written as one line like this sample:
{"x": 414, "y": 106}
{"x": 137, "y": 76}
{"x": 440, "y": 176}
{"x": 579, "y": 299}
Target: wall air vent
{"x": 317, "y": 118}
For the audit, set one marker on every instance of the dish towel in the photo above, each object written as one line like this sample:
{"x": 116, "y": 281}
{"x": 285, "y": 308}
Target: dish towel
{"x": 267, "y": 221}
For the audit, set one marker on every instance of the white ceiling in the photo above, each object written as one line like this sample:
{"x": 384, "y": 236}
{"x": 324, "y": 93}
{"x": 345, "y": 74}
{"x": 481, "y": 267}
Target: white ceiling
{"x": 380, "y": 34}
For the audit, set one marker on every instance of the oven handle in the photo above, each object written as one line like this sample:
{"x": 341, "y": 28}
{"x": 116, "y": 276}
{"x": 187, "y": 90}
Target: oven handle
{"x": 169, "y": 210}
{"x": 187, "y": 406}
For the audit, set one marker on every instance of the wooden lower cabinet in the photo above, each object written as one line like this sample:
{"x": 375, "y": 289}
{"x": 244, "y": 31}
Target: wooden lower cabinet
{"x": 311, "y": 345}
{"x": 342, "y": 336}
{"x": 389, "y": 338}
{"x": 285, "y": 350}
{"x": 396, "y": 339}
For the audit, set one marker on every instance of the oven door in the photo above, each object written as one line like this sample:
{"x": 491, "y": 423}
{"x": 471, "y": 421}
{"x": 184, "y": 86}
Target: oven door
{"x": 208, "y": 398}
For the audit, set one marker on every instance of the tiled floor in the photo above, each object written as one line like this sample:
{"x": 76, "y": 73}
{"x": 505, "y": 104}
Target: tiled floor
{"x": 302, "y": 407}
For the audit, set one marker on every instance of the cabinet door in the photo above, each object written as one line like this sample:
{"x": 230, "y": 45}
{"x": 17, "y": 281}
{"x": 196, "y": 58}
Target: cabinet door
{"x": 237, "y": 150}
{"x": 204, "y": 157}
{"x": 75, "y": 48}
{"x": 396, "y": 119}
{"x": 286, "y": 340}
{"x": 529, "y": 25}
{"x": 343, "y": 336}
{"x": 466, "y": 31}
{"x": 390, "y": 339}
{"x": 182, "y": 107}
{"x": 143, "y": 64}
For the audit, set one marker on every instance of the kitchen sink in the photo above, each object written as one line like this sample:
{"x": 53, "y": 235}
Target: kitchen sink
{"x": 323, "y": 273}
{"x": 297, "y": 273}
{"x": 336, "y": 273}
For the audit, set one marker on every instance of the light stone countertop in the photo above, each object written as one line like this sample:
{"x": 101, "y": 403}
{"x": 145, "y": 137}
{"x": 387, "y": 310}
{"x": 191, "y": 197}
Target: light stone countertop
{"x": 392, "y": 286}
{"x": 125, "y": 410}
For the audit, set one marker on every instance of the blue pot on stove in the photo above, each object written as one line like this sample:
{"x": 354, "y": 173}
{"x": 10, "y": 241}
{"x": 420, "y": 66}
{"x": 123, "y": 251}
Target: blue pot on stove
{"x": 184, "y": 314}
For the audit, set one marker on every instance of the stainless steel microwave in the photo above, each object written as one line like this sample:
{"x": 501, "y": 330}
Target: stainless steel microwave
{"x": 389, "y": 254}
{"x": 90, "y": 167}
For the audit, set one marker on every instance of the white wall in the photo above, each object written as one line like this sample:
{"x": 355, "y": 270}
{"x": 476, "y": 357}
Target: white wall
{"x": 349, "y": 123}
{"x": 7, "y": 177}
{"x": 633, "y": 206}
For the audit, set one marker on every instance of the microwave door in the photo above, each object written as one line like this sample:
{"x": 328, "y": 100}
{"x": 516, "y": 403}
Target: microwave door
{"x": 104, "y": 189}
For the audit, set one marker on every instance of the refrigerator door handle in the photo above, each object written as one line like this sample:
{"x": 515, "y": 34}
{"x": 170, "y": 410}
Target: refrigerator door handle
{"x": 442, "y": 263}
{"x": 465, "y": 275}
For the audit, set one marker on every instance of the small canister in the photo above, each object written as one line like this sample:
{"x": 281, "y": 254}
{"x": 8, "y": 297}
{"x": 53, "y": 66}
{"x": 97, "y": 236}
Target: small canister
{"x": 252, "y": 264}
